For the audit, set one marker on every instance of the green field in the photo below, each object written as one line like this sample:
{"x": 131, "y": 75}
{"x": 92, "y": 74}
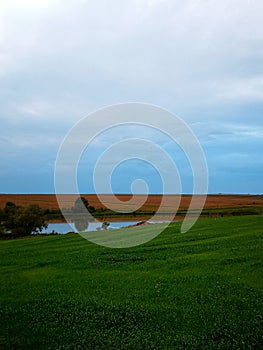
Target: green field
{"x": 199, "y": 290}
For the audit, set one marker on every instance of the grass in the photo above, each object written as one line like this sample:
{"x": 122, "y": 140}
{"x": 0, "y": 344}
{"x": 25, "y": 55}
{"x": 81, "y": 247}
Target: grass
{"x": 199, "y": 290}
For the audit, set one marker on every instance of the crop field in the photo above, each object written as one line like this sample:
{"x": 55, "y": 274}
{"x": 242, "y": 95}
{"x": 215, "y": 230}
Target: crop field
{"x": 199, "y": 290}
{"x": 48, "y": 201}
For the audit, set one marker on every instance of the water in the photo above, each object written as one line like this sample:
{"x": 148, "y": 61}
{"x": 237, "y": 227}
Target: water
{"x": 63, "y": 228}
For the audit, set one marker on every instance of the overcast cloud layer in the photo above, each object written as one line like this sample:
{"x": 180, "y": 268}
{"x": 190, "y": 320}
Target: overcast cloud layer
{"x": 200, "y": 59}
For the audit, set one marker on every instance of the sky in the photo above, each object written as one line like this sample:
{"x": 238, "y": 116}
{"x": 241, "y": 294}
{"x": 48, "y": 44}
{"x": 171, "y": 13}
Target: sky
{"x": 61, "y": 60}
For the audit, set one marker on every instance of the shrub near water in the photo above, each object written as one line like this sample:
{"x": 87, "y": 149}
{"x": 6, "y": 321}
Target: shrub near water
{"x": 18, "y": 221}
{"x": 200, "y": 290}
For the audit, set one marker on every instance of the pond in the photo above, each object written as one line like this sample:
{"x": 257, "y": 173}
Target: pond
{"x": 63, "y": 228}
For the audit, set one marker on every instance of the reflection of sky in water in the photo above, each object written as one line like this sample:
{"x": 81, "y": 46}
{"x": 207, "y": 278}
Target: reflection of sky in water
{"x": 65, "y": 228}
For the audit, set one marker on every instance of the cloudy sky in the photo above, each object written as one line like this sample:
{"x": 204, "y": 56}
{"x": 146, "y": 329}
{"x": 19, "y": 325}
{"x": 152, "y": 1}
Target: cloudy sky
{"x": 202, "y": 60}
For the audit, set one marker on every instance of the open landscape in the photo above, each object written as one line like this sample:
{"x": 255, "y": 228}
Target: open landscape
{"x": 131, "y": 192}
{"x": 199, "y": 290}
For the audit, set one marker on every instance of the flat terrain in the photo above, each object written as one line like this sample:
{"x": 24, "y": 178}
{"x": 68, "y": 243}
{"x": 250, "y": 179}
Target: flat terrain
{"x": 199, "y": 290}
{"x": 48, "y": 201}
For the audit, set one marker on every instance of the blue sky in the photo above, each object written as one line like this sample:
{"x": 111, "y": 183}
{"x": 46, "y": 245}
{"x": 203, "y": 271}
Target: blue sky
{"x": 62, "y": 60}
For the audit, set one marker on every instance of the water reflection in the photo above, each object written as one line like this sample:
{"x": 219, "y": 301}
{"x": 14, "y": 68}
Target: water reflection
{"x": 63, "y": 228}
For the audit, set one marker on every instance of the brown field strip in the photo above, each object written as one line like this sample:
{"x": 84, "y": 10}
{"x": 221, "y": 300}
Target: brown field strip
{"x": 49, "y": 201}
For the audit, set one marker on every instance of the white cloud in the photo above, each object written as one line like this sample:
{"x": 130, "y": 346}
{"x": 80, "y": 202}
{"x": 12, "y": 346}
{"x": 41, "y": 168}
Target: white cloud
{"x": 33, "y": 109}
{"x": 29, "y": 141}
{"x": 96, "y": 52}
{"x": 243, "y": 89}
{"x": 164, "y": 40}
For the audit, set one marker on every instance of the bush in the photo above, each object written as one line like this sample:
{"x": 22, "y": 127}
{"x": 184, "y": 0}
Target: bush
{"x": 21, "y": 221}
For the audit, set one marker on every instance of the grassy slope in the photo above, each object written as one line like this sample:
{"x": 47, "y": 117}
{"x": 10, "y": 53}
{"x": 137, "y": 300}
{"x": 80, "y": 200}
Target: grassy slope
{"x": 198, "y": 290}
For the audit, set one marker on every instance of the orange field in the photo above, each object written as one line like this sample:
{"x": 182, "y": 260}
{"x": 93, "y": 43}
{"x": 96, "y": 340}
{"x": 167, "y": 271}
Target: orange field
{"x": 152, "y": 202}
